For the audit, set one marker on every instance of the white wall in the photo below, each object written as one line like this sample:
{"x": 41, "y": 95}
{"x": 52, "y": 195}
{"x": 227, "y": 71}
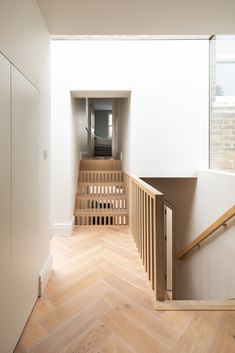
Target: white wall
{"x": 65, "y": 149}
{"x": 207, "y": 272}
{"x": 124, "y": 132}
{"x": 25, "y": 43}
{"x": 115, "y": 128}
{"x": 167, "y": 113}
{"x": 83, "y": 121}
{"x": 210, "y": 271}
{"x": 169, "y": 98}
{"x": 77, "y": 109}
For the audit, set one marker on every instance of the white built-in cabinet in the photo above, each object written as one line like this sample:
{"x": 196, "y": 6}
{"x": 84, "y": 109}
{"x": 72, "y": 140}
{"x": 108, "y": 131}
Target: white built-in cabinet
{"x": 18, "y": 202}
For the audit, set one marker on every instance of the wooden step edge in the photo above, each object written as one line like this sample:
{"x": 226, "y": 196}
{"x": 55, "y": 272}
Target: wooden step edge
{"x": 97, "y": 212}
{"x": 101, "y": 196}
{"x": 101, "y": 183}
{"x": 100, "y": 225}
{"x": 105, "y": 196}
{"x": 101, "y": 212}
{"x": 100, "y": 171}
{"x": 192, "y": 305}
{"x": 105, "y": 210}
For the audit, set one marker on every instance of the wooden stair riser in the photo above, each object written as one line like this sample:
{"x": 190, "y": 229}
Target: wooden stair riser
{"x": 101, "y": 202}
{"x": 100, "y": 189}
{"x": 97, "y": 165}
{"x": 102, "y": 220}
{"x": 86, "y": 176}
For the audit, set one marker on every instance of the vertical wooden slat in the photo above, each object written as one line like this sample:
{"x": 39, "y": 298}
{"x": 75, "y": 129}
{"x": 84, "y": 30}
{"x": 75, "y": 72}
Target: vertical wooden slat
{"x": 134, "y": 212}
{"x": 139, "y": 210}
{"x": 145, "y": 232}
{"x": 160, "y": 249}
{"x": 151, "y": 242}
{"x": 141, "y": 219}
{"x": 154, "y": 243}
{"x": 148, "y": 238}
{"x": 137, "y": 218}
{"x": 133, "y": 196}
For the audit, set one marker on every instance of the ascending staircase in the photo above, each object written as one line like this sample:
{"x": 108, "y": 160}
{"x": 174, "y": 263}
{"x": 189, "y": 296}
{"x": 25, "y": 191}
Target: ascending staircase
{"x": 101, "y": 194}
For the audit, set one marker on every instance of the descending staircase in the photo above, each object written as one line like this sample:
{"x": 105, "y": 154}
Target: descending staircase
{"x": 101, "y": 194}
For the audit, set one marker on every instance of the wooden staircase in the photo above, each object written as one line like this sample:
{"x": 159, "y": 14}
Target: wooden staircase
{"x": 101, "y": 194}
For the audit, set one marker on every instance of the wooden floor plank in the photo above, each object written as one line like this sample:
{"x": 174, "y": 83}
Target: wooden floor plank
{"x": 97, "y": 301}
{"x": 200, "y": 334}
{"x": 115, "y": 345}
{"x": 70, "y": 308}
{"x": 127, "y": 275}
{"x": 138, "y": 339}
{"x": 85, "y": 280}
{"x": 32, "y": 333}
{"x": 224, "y": 341}
{"x": 72, "y": 329}
{"x": 91, "y": 341}
{"x": 127, "y": 289}
{"x": 146, "y": 319}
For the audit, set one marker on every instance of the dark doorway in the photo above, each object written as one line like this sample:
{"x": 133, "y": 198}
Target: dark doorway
{"x": 103, "y": 121}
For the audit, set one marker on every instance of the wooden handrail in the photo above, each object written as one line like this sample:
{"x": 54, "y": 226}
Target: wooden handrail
{"x": 146, "y": 187}
{"x": 206, "y": 233}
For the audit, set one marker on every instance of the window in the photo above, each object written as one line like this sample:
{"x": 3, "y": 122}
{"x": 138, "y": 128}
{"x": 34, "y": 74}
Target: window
{"x": 222, "y": 103}
{"x": 225, "y": 78}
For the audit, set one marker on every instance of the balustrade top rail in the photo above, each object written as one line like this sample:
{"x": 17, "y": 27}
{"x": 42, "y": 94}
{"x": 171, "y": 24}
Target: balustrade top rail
{"x": 146, "y": 187}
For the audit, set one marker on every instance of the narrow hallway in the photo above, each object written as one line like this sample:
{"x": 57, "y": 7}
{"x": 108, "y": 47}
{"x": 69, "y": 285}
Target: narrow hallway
{"x": 98, "y": 300}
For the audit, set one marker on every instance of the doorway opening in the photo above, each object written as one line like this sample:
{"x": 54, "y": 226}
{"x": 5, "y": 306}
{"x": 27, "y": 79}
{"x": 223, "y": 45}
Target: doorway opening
{"x": 102, "y": 111}
{"x": 101, "y": 114}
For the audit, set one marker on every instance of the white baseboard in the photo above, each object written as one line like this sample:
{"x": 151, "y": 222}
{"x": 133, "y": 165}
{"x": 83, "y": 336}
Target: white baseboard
{"x": 63, "y": 229}
{"x": 44, "y": 275}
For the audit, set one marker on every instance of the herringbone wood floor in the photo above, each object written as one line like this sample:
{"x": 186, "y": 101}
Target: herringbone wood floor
{"x": 97, "y": 301}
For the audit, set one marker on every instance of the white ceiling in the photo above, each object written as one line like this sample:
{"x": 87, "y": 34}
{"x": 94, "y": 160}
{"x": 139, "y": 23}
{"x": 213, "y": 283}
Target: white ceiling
{"x": 120, "y": 17}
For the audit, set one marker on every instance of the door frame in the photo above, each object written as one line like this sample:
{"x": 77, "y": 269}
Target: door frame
{"x": 172, "y": 208}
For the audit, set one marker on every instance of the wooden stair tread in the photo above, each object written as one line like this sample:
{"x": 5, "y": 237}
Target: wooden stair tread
{"x": 101, "y": 212}
{"x": 102, "y": 196}
{"x": 102, "y": 164}
{"x": 100, "y": 171}
{"x": 101, "y": 183}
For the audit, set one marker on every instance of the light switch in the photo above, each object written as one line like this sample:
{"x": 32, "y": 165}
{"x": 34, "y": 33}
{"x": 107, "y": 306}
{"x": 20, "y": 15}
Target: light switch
{"x": 45, "y": 154}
